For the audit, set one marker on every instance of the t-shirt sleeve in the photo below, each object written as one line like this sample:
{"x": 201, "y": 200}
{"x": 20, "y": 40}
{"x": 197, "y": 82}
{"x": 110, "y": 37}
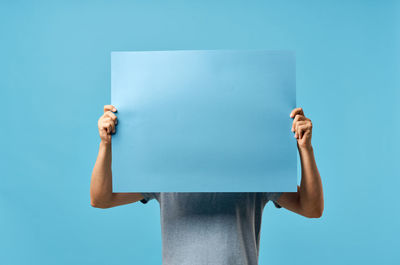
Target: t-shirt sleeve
{"x": 147, "y": 196}
{"x": 274, "y": 196}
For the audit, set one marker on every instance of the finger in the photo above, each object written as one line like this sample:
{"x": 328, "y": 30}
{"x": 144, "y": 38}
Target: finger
{"x": 111, "y": 115}
{"x": 109, "y": 108}
{"x": 307, "y": 128}
{"x": 296, "y": 111}
{"x": 296, "y": 129}
{"x": 297, "y": 119}
{"x": 112, "y": 127}
{"x": 108, "y": 118}
{"x": 104, "y": 128}
{"x": 299, "y": 123}
{"x": 109, "y": 126}
{"x": 103, "y": 131}
{"x": 302, "y": 129}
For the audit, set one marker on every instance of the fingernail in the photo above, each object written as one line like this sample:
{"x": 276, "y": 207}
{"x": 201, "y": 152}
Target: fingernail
{"x": 114, "y": 109}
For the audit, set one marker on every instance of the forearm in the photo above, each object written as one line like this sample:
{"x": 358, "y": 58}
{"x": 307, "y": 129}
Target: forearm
{"x": 101, "y": 182}
{"x": 310, "y": 192}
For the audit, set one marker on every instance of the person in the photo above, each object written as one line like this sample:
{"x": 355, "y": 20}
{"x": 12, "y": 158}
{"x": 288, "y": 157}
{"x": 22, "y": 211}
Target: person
{"x": 220, "y": 228}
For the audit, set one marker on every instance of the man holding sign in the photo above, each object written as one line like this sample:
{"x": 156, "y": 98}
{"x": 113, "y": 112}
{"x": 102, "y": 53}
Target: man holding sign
{"x": 208, "y": 133}
{"x": 212, "y": 228}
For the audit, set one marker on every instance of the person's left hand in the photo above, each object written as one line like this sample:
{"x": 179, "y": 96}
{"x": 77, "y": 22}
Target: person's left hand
{"x": 302, "y": 128}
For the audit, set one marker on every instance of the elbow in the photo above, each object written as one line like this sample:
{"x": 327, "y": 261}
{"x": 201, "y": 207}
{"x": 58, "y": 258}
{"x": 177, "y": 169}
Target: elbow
{"x": 315, "y": 212}
{"x": 99, "y": 204}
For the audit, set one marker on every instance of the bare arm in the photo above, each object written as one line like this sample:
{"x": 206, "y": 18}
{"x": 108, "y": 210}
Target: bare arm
{"x": 101, "y": 195}
{"x": 308, "y": 200}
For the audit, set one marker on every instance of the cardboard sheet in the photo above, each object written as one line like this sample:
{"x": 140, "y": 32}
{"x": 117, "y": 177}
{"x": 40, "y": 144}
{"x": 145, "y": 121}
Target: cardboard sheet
{"x": 204, "y": 121}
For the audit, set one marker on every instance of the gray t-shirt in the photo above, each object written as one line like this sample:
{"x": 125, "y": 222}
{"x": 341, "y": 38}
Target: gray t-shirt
{"x": 218, "y": 228}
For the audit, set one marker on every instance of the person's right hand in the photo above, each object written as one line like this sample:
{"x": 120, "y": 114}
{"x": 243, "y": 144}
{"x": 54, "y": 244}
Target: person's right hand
{"x": 107, "y": 123}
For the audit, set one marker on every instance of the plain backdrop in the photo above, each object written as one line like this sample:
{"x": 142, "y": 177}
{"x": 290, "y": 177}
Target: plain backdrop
{"x": 55, "y": 79}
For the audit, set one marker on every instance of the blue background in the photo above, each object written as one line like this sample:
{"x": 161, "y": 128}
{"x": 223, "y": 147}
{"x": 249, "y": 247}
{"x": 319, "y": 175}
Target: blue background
{"x": 55, "y": 79}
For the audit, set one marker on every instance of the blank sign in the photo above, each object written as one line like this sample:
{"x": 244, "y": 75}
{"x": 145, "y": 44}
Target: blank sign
{"x": 212, "y": 121}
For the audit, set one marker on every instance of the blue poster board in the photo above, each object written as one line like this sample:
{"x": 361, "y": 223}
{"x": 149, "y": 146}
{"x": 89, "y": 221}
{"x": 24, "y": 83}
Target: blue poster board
{"x": 211, "y": 120}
